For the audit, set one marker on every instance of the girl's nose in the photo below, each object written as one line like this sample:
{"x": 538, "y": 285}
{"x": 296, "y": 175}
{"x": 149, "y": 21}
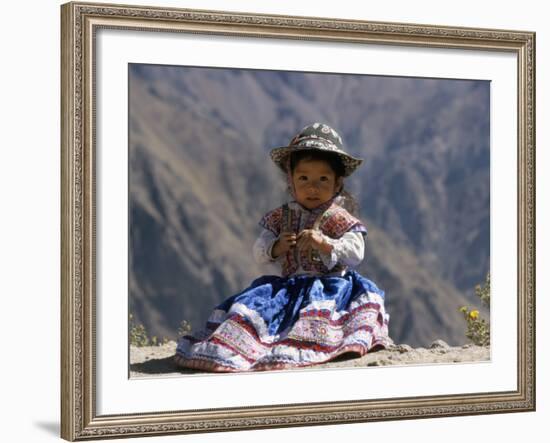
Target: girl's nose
{"x": 314, "y": 187}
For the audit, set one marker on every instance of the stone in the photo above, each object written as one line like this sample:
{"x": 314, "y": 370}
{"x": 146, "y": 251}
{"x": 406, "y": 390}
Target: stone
{"x": 439, "y": 344}
{"x": 403, "y": 348}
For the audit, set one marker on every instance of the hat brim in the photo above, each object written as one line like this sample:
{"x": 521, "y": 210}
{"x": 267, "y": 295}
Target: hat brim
{"x": 279, "y": 156}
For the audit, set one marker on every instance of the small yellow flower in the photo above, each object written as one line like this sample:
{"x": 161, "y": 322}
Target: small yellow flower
{"x": 474, "y": 314}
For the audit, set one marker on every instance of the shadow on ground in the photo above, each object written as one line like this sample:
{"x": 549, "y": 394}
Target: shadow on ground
{"x": 166, "y": 365}
{"x": 160, "y": 366}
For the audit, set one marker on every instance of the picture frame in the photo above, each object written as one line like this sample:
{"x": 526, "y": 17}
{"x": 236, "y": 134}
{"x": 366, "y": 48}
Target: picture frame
{"x": 82, "y": 237}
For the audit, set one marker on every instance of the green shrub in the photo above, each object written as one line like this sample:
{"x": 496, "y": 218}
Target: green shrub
{"x": 139, "y": 336}
{"x": 184, "y": 328}
{"x": 478, "y": 329}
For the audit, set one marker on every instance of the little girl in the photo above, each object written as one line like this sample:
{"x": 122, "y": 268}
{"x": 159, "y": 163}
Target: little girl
{"x": 319, "y": 308}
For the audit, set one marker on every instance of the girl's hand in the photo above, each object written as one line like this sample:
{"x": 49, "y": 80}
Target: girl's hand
{"x": 286, "y": 241}
{"x": 311, "y": 238}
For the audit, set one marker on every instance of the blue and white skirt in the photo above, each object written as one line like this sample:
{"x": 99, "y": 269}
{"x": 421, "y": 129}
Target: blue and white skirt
{"x": 278, "y": 323}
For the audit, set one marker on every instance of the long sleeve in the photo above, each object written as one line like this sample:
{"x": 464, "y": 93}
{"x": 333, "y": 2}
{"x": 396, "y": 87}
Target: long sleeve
{"x": 348, "y": 250}
{"x": 262, "y": 247}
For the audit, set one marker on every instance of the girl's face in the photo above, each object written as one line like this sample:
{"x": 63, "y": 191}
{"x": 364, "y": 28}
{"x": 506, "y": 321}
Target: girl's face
{"x": 314, "y": 182}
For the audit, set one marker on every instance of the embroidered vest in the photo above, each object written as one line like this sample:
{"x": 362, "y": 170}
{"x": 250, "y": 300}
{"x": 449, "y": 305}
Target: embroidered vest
{"x": 333, "y": 222}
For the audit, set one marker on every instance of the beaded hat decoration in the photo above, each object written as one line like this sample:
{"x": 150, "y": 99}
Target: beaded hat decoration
{"x": 316, "y": 136}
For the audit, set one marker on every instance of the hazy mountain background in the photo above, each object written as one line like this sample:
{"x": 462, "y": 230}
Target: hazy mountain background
{"x": 201, "y": 178}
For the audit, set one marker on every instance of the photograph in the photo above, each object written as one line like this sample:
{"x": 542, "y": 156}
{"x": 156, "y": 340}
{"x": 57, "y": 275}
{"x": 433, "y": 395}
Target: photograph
{"x": 280, "y": 219}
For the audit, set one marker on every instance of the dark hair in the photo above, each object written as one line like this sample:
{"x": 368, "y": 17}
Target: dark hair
{"x": 348, "y": 202}
{"x": 332, "y": 159}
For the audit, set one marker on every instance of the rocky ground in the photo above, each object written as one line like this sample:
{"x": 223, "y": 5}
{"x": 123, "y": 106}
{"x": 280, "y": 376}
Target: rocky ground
{"x": 152, "y": 361}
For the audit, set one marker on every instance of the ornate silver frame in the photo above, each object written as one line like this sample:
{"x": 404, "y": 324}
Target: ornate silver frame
{"x": 80, "y": 21}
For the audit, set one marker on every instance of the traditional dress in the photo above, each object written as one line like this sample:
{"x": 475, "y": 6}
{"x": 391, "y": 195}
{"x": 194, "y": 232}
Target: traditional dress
{"x": 319, "y": 308}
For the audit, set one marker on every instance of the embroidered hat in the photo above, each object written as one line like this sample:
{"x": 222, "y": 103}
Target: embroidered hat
{"x": 316, "y": 136}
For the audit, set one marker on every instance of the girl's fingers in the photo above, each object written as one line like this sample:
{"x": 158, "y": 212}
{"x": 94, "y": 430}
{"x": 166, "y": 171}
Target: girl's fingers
{"x": 304, "y": 239}
{"x": 303, "y": 243}
{"x": 288, "y": 239}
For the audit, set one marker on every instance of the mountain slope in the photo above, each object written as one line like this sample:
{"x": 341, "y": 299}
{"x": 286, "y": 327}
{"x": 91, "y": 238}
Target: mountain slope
{"x": 200, "y": 179}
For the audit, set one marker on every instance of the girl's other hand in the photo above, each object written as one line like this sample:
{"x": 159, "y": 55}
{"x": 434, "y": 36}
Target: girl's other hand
{"x": 311, "y": 238}
{"x": 285, "y": 242}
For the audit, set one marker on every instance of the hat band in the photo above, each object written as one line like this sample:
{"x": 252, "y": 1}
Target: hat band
{"x": 316, "y": 143}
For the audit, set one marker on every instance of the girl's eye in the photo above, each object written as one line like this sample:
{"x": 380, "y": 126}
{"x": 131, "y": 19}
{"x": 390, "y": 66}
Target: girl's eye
{"x": 302, "y": 177}
{"x": 324, "y": 179}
